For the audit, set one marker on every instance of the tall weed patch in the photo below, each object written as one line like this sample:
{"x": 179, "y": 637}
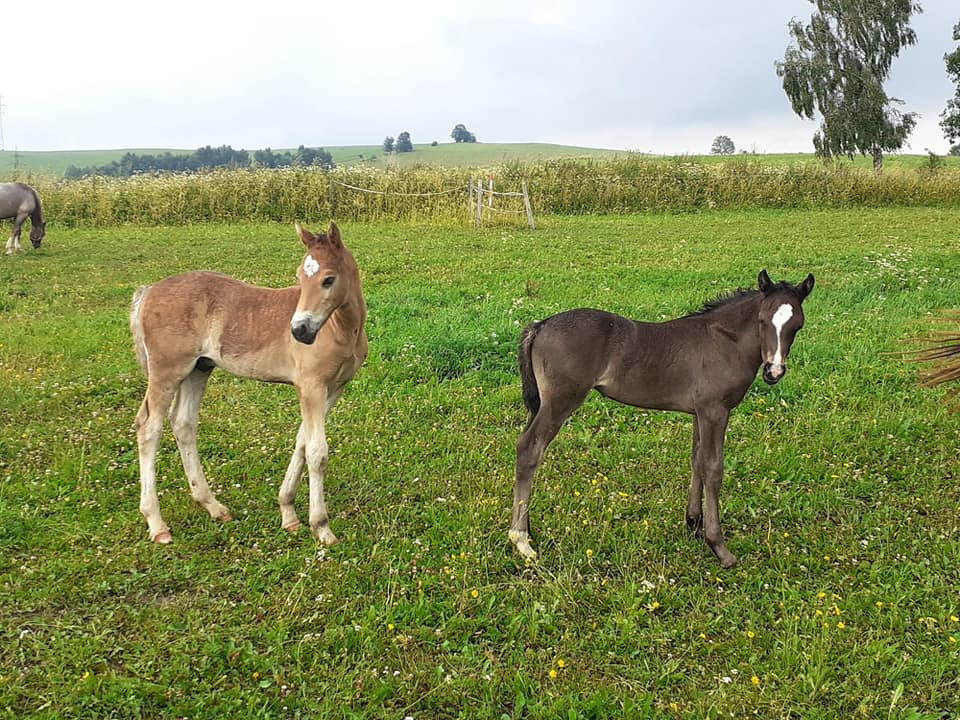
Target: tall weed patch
{"x": 621, "y": 185}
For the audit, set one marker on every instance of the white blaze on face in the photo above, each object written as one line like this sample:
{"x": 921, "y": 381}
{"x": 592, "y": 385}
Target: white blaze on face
{"x": 310, "y": 266}
{"x": 780, "y": 318}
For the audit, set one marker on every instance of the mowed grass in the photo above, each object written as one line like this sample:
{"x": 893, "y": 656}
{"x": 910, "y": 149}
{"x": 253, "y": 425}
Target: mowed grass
{"x": 841, "y": 496}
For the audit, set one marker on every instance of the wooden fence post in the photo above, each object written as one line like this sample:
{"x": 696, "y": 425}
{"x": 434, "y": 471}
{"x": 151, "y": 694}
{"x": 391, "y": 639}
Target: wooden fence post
{"x": 526, "y": 204}
{"x": 479, "y": 201}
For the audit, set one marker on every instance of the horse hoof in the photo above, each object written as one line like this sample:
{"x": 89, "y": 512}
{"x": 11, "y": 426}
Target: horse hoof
{"x": 225, "y": 516}
{"x": 729, "y": 562}
{"x": 521, "y": 541}
{"x": 325, "y": 535}
{"x": 292, "y": 527}
{"x": 163, "y": 537}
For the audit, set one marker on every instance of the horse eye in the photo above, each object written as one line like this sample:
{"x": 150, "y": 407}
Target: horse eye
{"x": 328, "y": 281}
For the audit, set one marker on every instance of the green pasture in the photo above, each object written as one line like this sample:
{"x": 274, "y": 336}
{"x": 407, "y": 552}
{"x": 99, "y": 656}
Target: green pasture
{"x": 841, "y": 494}
{"x": 20, "y": 164}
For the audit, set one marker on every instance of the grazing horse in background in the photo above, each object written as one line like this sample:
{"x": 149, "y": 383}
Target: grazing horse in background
{"x": 19, "y": 201}
{"x": 701, "y": 364}
{"x": 310, "y": 336}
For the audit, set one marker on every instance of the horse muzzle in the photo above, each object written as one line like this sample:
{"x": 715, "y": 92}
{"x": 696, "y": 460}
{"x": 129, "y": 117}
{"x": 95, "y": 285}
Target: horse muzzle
{"x": 305, "y": 326}
{"x": 305, "y": 333}
{"x": 772, "y": 374}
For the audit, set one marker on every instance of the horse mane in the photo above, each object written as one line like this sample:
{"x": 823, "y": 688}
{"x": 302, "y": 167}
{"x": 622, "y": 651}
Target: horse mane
{"x": 728, "y": 298}
{"x": 735, "y": 296}
{"x": 37, "y": 214}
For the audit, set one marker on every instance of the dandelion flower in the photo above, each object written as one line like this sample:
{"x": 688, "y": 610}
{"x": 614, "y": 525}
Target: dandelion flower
{"x": 474, "y": 593}
{"x": 841, "y": 625}
{"x": 589, "y": 552}
{"x": 755, "y": 680}
{"x": 561, "y": 663}
{"x": 553, "y": 673}
{"x": 751, "y": 634}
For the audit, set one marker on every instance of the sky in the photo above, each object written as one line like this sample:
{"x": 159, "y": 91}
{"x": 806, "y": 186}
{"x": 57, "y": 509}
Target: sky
{"x": 657, "y": 77}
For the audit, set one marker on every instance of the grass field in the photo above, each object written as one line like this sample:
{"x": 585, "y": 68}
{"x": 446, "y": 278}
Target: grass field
{"x": 22, "y": 165}
{"x": 841, "y": 496}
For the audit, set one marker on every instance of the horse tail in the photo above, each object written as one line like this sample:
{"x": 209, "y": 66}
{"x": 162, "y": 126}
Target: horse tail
{"x": 528, "y": 380}
{"x": 136, "y": 326}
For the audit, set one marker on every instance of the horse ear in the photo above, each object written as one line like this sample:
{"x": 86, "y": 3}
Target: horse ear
{"x": 306, "y": 237}
{"x": 764, "y": 282}
{"x": 333, "y": 235}
{"x": 806, "y": 287}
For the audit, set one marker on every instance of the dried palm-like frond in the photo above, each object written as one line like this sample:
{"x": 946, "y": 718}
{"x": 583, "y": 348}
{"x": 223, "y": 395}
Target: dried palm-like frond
{"x": 941, "y": 349}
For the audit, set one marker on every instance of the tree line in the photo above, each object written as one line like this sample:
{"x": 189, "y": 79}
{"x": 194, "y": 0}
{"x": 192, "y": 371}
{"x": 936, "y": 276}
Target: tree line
{"x": 835, "y": 67}
{"x": 206, "y": 158}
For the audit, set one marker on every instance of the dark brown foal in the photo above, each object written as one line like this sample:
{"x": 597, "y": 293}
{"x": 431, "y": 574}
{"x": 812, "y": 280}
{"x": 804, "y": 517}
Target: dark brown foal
{"x": 701, "y": 364}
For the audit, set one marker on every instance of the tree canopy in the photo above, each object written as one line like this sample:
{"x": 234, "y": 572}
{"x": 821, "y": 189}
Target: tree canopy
{"x": 950, "y": 118}
{"x": 205, "y": 158}
{"x": 836, "y": 66}
{"x": 404, "y": 144}
{"x": 460, "y": 134}
{"x": 722, "y": 145}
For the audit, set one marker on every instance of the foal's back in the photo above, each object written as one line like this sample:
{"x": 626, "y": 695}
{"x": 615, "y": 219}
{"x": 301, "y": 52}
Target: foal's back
{"x": 240, "y": 327}
{"x": 650, "y": 365}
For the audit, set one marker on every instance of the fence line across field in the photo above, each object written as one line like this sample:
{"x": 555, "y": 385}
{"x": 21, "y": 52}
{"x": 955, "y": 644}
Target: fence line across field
{"x": 459, "y": 188}
{"x": 474, "y": 188}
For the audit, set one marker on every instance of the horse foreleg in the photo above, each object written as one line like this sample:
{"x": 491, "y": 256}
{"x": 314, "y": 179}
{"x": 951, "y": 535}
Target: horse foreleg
{"x": 291, "y": 481}
{"x": 313, "y": 406}
{"x": 13, "y": 245}
{"x": 14, "y": 242}
{"x": 708, "y": 464}
{"x": 184, "y": 419}
{"x": 695, "y": 496}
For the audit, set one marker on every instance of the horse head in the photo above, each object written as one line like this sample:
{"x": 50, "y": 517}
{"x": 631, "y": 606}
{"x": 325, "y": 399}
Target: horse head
{"x": 37, "y": 233}
{"x": 323, "y": 287}
{"x": 780, "y": 317}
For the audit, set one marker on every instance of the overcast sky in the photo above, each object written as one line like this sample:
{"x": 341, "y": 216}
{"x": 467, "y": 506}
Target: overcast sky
{"x": 661, "y": 77}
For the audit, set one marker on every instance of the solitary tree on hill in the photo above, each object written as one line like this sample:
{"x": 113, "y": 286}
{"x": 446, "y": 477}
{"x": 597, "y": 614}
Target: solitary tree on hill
{"x": 460, "y": 134}
{"x": 722, "y": 145}
{"x": 950, "y": 118}
{"x": 836, "y": 66}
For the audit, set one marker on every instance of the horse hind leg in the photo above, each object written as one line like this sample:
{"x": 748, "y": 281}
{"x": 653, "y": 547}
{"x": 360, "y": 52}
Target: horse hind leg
{"x": 531, "y": 446}
{"x": 149, "y": 425}
{"x": 184, "y": 419}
